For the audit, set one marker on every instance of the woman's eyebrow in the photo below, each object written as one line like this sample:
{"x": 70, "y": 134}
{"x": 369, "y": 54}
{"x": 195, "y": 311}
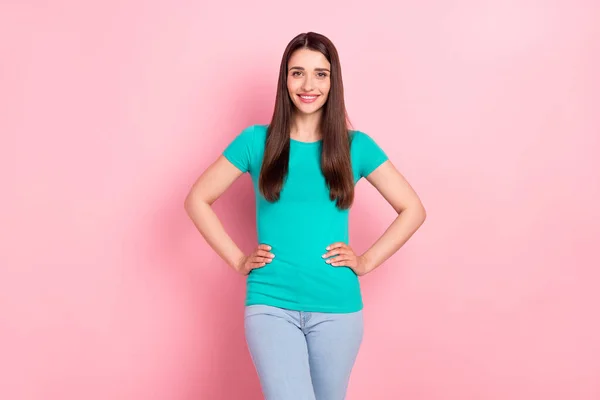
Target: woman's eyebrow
{"x": 302, "y": 69}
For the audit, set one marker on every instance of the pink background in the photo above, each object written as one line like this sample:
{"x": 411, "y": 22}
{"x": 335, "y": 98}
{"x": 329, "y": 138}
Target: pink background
{"x": 110, "y": 110}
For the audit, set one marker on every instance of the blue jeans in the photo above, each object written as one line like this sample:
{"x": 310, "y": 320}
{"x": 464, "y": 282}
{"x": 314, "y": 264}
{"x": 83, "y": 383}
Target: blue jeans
{"x": 302, "y": 355}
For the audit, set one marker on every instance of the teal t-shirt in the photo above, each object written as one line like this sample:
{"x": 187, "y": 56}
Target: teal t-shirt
{"x": 301, "y": 224}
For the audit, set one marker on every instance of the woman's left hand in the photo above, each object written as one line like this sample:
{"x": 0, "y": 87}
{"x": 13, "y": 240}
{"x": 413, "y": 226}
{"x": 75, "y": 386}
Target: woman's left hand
{"x": 345, "y": 257}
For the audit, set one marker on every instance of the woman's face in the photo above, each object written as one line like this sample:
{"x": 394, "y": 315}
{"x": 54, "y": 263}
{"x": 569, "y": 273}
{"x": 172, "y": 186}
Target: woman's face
{"x": 308, "y": 80}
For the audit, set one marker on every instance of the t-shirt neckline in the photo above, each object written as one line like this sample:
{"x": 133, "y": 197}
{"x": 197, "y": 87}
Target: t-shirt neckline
{"x": 306, "y": 143}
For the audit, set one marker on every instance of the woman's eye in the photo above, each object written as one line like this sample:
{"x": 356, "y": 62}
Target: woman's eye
{"x": 319, "y": 74}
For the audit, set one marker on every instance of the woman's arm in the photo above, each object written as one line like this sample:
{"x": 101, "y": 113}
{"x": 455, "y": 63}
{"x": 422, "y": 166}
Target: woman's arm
{"x": 411, "y": 214}
{"x": 205, "y": 191}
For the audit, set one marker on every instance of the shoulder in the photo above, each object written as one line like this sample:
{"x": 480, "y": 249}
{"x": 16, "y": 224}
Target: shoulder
{"x": 365, "y": 148}
{"x": 252, "y": 133}
{"x": 366, "y": 153}
{"x": 260, "y": 131}
{"x": 355, "y": 134}
{"x": 359, "y": 139}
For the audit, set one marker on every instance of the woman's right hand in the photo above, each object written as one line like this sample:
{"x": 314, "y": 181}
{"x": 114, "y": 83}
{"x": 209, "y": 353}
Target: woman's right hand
{"x": 257, "y": 259}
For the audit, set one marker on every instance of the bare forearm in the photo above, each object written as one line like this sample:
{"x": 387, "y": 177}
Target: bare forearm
{"x": 210, "y": 227}
{"x": 395, "y": 236}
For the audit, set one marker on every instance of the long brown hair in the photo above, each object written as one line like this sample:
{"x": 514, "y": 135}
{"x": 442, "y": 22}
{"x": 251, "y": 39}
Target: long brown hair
{"x": 335, "y": 157}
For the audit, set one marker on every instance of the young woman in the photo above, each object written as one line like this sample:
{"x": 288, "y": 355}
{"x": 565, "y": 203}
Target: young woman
{"x": 303, "y": 309}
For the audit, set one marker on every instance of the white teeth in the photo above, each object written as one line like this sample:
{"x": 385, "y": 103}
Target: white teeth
{"x": 309, "y": 97}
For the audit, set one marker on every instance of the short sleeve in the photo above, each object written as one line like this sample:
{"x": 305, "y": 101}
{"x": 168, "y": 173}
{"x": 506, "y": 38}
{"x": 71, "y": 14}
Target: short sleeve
{"x": 371, "y": 155}
{"x": 239, "y": 151}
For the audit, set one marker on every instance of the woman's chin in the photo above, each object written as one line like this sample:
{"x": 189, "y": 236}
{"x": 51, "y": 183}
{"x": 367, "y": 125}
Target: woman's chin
{"x": 304, "y": 109}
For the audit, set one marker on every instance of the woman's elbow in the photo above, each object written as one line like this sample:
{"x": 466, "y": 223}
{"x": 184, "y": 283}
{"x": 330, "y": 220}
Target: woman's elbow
{"x": 417, "y": 210}
{"x": 189, "y": 201}
{"x": 422, "y": 213}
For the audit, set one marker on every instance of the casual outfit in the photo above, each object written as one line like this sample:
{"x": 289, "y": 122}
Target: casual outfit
{"x": 300, "y": 311}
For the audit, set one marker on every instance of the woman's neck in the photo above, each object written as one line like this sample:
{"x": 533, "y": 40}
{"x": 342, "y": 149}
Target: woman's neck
{"x": 306, "y": 127}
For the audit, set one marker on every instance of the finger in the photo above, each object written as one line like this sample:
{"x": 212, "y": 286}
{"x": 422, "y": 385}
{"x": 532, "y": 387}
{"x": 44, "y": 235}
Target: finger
{"x": 264, "y": 253}
{"x": 336, "y": 252}
{"x": 254, "y": 265}
{"x": 336, "y": 245}
{"x": 344, "y": 263}
{"x": 339, "y": 259}
{"x": 264, "y": 247}
{"x": 347, "y": 263}
{"x": 261, "y": 259}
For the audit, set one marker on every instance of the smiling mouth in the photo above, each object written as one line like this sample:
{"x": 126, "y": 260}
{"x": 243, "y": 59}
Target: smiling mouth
{"x": 307, "y": 99}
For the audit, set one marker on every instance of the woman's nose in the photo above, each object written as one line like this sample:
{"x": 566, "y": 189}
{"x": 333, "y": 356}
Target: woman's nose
{"x": 307, "y": 84}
